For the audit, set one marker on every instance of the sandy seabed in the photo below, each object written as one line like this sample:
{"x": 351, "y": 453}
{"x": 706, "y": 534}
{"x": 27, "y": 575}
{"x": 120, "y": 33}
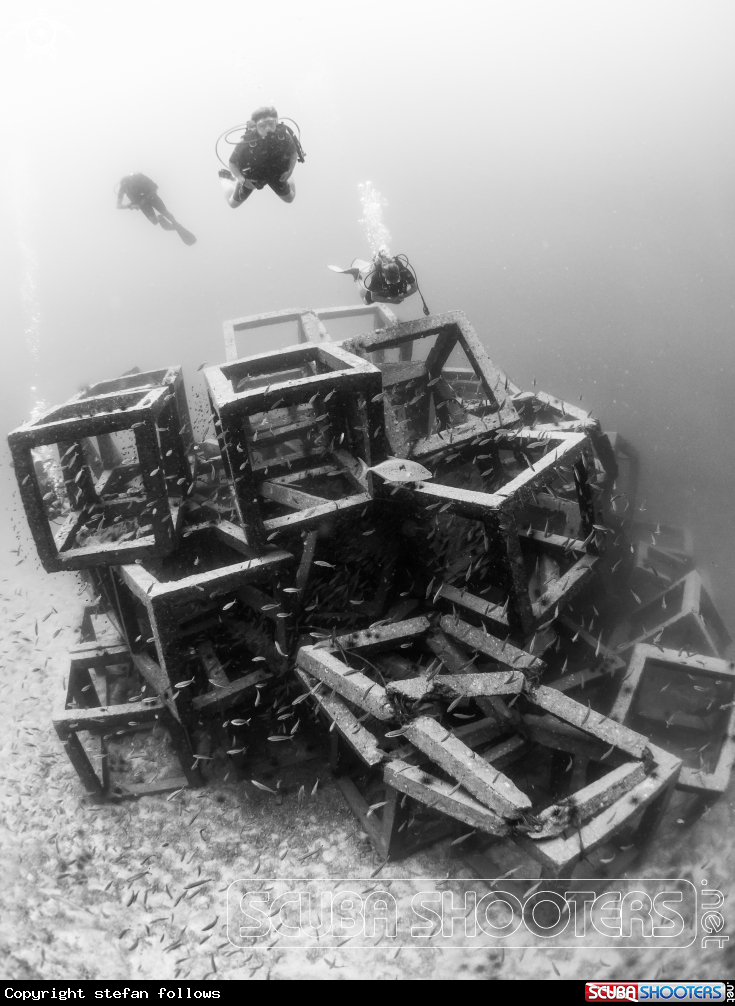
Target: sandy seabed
{"x": 99, "y": 891}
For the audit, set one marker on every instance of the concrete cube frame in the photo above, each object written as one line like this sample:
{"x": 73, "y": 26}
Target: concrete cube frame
{"x": 161, "y": 461}
{"x": 310, "y": 324}
{"x": 162, "y": 599}
{"x": 338, "y": 373}
{"x": 692, "y": 780}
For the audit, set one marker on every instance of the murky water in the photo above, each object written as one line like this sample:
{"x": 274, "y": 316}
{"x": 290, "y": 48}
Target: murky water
{"x": 561, "y": 172}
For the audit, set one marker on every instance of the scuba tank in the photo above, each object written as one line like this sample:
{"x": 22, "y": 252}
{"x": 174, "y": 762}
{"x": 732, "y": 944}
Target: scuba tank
{"x": 403, "y": 259}
{"x": 300, "y": 155}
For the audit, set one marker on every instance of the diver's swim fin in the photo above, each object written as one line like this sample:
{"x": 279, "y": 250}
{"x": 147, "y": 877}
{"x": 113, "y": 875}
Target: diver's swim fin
{"x": 350, "y": 272}
{"x": 186, "y": 236}
{"x": 166, "y": 224}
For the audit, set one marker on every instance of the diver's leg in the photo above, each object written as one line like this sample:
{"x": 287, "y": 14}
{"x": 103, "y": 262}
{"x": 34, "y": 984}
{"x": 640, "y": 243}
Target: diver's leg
{"x": 284, "y": 189}
{"x": 165, "y": 217}
{"x": 236, "y": 192}
{"x": 148, "y": 211}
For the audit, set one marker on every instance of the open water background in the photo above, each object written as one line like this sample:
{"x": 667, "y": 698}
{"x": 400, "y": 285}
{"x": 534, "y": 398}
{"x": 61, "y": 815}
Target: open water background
{"x": 563, "y": 172}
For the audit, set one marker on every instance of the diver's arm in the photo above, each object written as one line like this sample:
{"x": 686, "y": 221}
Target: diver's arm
{"x": 235, "y": 169}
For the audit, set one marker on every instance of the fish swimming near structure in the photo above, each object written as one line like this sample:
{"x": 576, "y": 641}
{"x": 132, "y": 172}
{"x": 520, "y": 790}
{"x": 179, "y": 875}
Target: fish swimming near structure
{"x": 400, "y": 470}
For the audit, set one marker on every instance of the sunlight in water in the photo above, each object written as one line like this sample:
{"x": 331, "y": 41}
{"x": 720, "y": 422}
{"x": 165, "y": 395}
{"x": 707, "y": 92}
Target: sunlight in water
{"x": 26, "y": 213}
{"x": 377, "y": 234}
{"x": 52, "y": 478}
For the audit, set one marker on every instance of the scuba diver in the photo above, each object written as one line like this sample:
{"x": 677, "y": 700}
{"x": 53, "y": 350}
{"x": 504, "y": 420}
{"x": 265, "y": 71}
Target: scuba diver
{"x": 142, "y": 195}
{"x": 266, "y": 155}
{"x": 388, "y": 279}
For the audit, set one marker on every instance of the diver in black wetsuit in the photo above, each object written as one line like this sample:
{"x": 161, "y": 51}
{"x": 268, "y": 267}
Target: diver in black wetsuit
{"x": 142, "y": 193}
{"x": 266, "y": 155}
{"x": 388, "y": 279}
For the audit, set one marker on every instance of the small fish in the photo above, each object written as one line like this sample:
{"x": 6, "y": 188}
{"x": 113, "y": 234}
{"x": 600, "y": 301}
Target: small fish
{"x": 260, "y": 785}
{"x": 397, "y": 470}
{"x": 198, "y": 883}
{"x": 505, "y": 875}
{"x": 321, "y": 562}
{"x": 530, "y": 891}
{"x": 239, "y": 723}
{"x": 463, "y": 838}
{"x": 279, "y": 737}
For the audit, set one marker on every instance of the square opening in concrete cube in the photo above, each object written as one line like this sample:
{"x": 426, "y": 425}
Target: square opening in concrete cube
{"x": 686, "y": 714}
{"x": 108, "y": 467}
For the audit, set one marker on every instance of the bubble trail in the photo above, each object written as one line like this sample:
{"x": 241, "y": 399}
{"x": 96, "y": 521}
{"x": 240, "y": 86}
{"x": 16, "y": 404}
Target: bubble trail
{"x": 377, "y": 234}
